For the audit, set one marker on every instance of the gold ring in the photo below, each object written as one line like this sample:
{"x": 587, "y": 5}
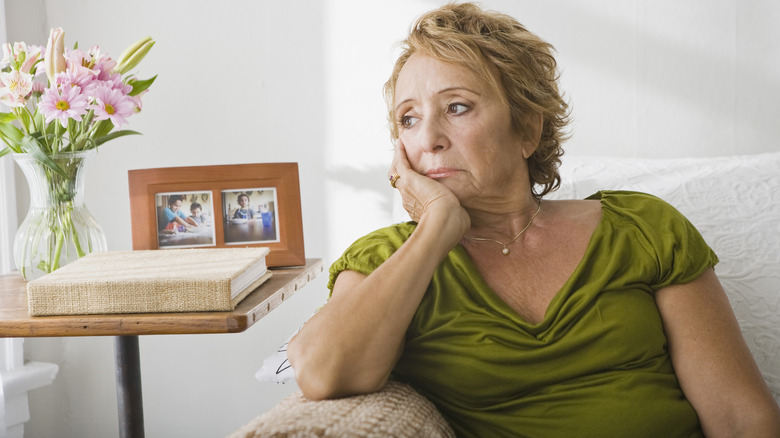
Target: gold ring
{"x": 393, "y": 178}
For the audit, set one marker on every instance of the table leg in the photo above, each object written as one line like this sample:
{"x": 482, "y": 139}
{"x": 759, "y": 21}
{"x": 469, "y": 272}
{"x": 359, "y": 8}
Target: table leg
{"x": 128, "y": 387}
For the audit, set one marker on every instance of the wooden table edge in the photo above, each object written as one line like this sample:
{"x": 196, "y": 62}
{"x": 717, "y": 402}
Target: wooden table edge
{"x": 284, "y": 283}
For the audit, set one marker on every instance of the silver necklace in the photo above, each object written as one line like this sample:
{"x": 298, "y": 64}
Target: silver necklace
{"x": 505, "y": 249}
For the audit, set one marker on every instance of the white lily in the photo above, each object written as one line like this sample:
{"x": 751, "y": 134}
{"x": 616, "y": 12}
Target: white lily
{"x": 55, "y": 54}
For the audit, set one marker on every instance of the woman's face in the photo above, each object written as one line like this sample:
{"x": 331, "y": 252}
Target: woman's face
{"x": 457, "y": 129}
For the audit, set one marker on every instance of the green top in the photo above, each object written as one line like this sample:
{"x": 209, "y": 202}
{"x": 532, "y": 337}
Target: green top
{"x": 596, "y": 366}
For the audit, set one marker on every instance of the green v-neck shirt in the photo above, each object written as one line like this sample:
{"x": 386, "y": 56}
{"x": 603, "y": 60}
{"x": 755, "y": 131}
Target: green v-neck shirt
{"x": 597, "y": 365}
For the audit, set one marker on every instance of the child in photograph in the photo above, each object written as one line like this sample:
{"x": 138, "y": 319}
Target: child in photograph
{"x": 177, "y": 220}
{"x": 196, "y": 214}
{"x": 243, "y": 212}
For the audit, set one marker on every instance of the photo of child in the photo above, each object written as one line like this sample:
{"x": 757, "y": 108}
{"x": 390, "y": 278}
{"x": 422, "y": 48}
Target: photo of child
{"x": 243, "y": 211}
{"x": 250, "y": 215}
{"x": 176, "y": 228}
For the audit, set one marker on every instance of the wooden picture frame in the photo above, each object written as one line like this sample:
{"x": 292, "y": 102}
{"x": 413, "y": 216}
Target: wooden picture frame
{"x": 274, "y": 222}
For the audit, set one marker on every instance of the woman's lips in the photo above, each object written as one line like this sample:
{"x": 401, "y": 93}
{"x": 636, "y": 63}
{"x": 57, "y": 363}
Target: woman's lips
{"x": 440, "y": 172}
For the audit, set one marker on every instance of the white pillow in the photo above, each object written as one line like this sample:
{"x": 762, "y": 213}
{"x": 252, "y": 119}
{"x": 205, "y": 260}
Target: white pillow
{"x": 276, "y": 367}
{"x": 734, "y": 202}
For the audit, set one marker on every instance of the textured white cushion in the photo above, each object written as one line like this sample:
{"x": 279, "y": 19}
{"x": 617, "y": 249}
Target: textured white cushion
{"x": 735, "y": 204}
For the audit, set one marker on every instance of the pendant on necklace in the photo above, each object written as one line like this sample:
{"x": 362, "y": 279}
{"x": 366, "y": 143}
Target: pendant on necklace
{"x": 505, "y": 251}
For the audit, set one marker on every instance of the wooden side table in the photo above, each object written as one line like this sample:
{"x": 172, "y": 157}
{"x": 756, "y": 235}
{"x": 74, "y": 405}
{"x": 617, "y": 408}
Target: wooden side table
{"x": 15, "y": 321}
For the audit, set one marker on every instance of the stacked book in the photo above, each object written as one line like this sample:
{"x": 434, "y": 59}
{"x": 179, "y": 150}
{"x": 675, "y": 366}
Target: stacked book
{"x": 150, "y": 281}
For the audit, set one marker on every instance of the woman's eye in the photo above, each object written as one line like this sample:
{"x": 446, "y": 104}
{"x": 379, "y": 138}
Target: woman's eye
{"x": 408, "y": 121}
{"x": 457, "y": 108}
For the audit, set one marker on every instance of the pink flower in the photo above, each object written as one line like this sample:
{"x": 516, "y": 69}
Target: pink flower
{"x": 111, "y": 103}
{"x": 32, "y": 56}
{"x": 8, "y": 55}
{"x": 76, "y": 75}
{"x": 137, "y": 100}
{"x": 11, "y": 53}
{"x": 77, "y": 57}
{"x": 116, "y": 82}
{"x": 16, "y": 86}
{"x": 38, "y": 88}
{"x": 102, "y": 64}
{"x": 65, "y": 103}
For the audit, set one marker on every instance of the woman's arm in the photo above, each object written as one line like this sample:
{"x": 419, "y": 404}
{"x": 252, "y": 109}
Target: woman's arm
{"x": 713, "y": 363}
{"x": 352, "y": 344}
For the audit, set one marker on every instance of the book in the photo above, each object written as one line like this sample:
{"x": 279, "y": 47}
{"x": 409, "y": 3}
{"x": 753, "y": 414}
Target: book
{"x": 150, "y": 281}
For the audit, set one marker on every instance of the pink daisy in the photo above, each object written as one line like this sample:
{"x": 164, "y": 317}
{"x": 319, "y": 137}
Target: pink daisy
{"x": 112, "y": 104}
{"x": 78, "y": 76}
{"x": 63, "y": 104}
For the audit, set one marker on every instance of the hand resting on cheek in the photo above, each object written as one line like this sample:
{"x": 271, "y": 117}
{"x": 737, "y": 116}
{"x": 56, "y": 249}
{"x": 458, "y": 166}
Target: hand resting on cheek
{"x": 423, "y": 195}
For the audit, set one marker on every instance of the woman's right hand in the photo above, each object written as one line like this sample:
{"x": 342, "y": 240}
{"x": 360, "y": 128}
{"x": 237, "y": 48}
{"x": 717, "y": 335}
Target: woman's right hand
{"x": 422, "y": 195}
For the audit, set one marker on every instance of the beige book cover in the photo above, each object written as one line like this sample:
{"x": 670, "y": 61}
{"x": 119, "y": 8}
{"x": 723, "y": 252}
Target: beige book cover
{"x": 150, "y": 281}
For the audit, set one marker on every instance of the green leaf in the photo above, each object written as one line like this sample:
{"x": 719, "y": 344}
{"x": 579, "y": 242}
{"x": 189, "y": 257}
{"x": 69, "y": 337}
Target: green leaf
{"x": 7, "y": 117}
{"x": 26, "y": 120}
{"x": 51, "y": 127}
{"x": 140, "y": 86}
{"x": 35, "y": 66}
{"x": 32, "y": 147}
{"x": 20, "y": 60}
{"x": 40, "y": 121}
{"x": 6, "y": 150}
{"x": 102, "y": 128}
{"x": 11, "y": 132}
{"x": 10, "y": 145}
{"x": 113, "y": 135}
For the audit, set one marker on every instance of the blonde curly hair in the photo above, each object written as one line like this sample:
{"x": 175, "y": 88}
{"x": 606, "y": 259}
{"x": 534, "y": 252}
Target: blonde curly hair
{"x": 518, "y": 64}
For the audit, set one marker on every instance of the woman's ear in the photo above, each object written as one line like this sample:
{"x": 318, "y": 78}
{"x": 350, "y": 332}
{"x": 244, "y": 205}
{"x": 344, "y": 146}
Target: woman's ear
{"x": 532, "y": 134}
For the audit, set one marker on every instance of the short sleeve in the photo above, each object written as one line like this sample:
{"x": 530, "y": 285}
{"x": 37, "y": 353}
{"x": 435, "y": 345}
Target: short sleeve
{"x": 681, "y": 253}
{"x": 370, "y": 251}
{"x": 169, "y": 214}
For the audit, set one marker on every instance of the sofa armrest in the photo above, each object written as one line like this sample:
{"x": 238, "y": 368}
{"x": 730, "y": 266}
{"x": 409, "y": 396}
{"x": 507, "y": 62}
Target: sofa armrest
{"x": 396, "y": 410}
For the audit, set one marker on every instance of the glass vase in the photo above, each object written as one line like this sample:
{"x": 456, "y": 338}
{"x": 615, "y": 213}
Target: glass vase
{"x": 58, "y": 228}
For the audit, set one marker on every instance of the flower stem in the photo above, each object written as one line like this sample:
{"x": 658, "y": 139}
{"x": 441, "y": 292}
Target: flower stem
{"x": 74, "y": 232}
{"x": 55, "y": 262}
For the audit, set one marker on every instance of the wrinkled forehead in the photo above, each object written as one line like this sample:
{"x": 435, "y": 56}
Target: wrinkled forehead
{"x": 424, "y": 72}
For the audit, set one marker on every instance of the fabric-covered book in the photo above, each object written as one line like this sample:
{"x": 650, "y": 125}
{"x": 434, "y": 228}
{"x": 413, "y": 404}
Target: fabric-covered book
{"x": 150, "y": 281}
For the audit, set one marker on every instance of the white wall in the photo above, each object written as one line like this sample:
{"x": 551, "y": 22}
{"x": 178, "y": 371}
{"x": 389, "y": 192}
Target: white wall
{"x": 262, "y": 81}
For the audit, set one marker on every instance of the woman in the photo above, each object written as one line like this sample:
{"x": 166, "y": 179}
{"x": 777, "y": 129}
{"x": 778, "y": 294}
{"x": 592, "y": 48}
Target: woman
{"x": 518, "y": 316}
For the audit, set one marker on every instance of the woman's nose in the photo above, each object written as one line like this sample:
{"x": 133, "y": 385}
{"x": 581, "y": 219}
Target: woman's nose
{"x": 433, "y": 135}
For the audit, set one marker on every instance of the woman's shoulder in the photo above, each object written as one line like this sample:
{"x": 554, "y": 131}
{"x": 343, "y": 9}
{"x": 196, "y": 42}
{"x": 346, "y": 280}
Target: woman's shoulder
{"x": 393, "y": 236}
{"x": 635, "y": 205}
{"x": 638, "y": 207}
{"x": 371, "y": 250}
{"x": 643, "y": 212}
{"x": 627, "y": 198}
